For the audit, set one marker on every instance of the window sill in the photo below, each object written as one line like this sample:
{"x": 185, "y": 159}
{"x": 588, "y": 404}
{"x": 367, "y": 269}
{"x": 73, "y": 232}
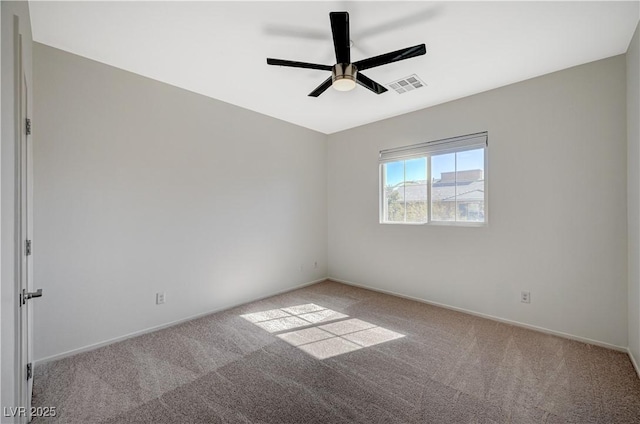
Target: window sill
{"x": 440, "y": 224}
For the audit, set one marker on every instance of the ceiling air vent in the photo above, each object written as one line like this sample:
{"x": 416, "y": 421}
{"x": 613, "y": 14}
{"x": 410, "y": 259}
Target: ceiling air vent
{"x": 410, "y": 83}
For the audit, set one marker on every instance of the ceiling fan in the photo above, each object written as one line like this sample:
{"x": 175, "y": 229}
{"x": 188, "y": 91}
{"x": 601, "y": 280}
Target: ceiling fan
{"x": 344, "y": 74}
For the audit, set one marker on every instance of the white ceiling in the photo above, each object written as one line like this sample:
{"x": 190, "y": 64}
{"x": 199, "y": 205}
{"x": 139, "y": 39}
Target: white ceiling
{"x": 219, "y": 48}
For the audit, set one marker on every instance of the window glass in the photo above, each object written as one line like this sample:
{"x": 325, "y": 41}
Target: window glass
{"x": 443, "y": 187}
{"x": 393, "y": 176}
{"x": 415, "y": 190}
{"x": 470, "y": 185}
{"x": 405, "y": 191}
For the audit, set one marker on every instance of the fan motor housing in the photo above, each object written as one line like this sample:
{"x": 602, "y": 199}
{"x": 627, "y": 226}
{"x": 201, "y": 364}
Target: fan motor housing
{"x": 344, "y": 71}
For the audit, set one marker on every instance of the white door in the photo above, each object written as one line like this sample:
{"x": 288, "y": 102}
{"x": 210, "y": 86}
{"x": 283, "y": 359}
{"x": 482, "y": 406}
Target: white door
{"x": 25, "y": 217}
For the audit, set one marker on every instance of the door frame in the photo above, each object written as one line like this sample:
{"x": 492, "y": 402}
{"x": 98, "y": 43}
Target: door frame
{"x": 23, "y": 221}
{"x": 13, "y": 69}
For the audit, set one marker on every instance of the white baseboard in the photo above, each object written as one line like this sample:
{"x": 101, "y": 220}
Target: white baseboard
{"x": 491, "y": 317}
{"x": 166, "y": 325}
{"x": 634, "y": 362}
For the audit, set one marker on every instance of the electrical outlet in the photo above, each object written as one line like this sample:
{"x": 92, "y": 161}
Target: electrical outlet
{"x": 315, "y": 264}
{"x": 525, "y": 297}
{"x": 160, "y": 298}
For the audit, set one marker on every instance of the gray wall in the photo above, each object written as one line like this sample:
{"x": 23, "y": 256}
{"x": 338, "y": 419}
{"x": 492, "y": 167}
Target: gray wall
{"x": 127, "y": 158}
{"x": 141, "y": 187}
{"x": 9, "y": 11}
{"x": 633, "y": 193}
{"x": 557, "y": 206}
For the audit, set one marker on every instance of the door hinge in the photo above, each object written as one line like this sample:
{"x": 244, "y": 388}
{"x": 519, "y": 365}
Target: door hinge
{"x": 29, "y": 370}
{"x": 27, "y": 247}
{"x": 27, "y": 126}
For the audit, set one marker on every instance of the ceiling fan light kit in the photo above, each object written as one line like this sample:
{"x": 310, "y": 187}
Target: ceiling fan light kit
{"x": 344, "y": 74}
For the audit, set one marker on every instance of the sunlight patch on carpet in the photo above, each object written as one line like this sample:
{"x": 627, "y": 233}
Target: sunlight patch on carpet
{"x": 318, "y": 339}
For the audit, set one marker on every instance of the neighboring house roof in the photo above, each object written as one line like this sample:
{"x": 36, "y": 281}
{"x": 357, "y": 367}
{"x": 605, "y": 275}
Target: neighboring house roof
{"x": 416, "y": 191}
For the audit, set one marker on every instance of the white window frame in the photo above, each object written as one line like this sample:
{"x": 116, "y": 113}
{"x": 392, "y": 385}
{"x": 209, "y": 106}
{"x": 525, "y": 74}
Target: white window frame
{"x": 427, "y": 150}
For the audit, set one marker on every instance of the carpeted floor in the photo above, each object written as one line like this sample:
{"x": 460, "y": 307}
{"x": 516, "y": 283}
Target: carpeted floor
{"x": 384, "y": 360}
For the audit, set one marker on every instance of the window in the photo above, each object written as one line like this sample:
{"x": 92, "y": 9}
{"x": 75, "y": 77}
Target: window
{"x": 440, "y": 181}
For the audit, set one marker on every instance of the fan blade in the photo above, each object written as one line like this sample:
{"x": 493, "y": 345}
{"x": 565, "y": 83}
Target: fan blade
{"x": 321, "y": 88}
{"x": 367, "y": 82}
{"x": 340, "y": 30}
{"x": 292, "y": 64}
{"x": 383, "y": 59}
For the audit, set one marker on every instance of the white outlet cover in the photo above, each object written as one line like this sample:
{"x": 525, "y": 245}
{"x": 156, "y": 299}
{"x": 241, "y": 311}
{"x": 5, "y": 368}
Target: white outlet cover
{"x": 160, "y": 298}
{"x": 525, "y": 297}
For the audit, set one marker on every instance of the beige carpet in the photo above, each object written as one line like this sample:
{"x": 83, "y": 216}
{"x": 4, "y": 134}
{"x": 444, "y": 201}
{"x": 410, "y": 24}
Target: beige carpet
{"x": 331, "y": 353}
